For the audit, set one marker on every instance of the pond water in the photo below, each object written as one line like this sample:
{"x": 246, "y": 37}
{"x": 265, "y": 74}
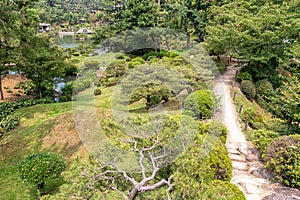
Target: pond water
{"x": 67, "y": 41}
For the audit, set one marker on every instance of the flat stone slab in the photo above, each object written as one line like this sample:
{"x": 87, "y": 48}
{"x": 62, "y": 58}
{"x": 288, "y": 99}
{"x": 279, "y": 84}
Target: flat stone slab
{"x": 237, "y": 158}
{"x": 239, "y": 165}
{"x": 251, "y": 189}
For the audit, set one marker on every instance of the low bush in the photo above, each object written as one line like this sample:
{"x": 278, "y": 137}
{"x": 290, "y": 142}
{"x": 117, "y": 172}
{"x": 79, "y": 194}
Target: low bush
{"x": 244, "y": 76}
{"x": 38, "y": 168}
{"x": 119, "y": 56}
{"x": 201, "y": 103}
{"x": 264, "y": 87}
{"x": 248, "y": 88}
{"x": 76, "y": 53}
{"x": 221, "y": 190}
{"x": 10, "y": 122}
{"x": 153, "y": 60}
{"x": 97, "y": 91}
{"x": 189, "y": 113}
{"x": 136, "y": 61}
{"x": 70, "y": 70}
{"x": 205, "y": 165}
{"x": 262, "y": 139}
{"x": 283, "y": 158}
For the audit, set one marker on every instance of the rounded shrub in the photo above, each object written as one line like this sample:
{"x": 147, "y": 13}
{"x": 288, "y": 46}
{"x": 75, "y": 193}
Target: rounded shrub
{"x": 37, "y": 168}
{"x": 283, "y": 158}
{"x": 97, "y": 91}
{"x": 221, "y": 190}
{"x": 153, "y": 60}
{"x": 248, "y": 88}
{"x": 262, "y": 138}
{"x": 201, "y": 103}
{"x": 244, "y": 76}
{"x": 136, "y": 61}
{"x": 188, "y": 113}
{"x": 75, "y": 53}
{"x": 133, "y": 64}
{"x": 119, "y": 56}
{"x": 216, "y": 165}
{"x": 264, "y": 87}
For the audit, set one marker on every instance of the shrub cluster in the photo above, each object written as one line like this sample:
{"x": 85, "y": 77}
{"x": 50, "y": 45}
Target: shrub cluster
{"x": 136, "y": 62}
{"x": 248, "y": 88}
{"x": 283, "y": 158}
{"x": 201, "y": 103}
{"x": 37, "y": 168}
{"x": 8, "y": 121}
{"x": 243, "y": 76}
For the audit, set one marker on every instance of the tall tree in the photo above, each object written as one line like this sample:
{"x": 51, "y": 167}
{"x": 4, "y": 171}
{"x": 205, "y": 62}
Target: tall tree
{"x": 258, "y": 32}
{"x": 42, "y": 62}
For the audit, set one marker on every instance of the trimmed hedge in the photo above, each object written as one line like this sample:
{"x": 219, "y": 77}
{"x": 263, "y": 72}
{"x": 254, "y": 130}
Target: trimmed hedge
{"x": 248, "y": 88}
{"x": 283, "y": 158}
{"x": 37, "y": 168}
{"x": 201, "y": 103}
{"x": 221, "y": 190}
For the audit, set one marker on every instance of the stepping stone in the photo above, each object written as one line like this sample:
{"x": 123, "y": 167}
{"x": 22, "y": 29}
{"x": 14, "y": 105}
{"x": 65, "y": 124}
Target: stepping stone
{"x": 233, "y": 151}
{"x": 251, "y": 189}
{"x": 243, "y": 150}
{"x": 237, "y": 158}
{"x": 252, "y": 157}
{"x": 239, "y": 165}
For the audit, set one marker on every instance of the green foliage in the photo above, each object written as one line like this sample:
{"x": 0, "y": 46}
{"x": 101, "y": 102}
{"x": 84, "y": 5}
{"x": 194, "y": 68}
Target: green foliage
{"x": 113, "y": 72}
{"x": 283, "y": 158}
{"x": 67, "y": 92}
{"x": 254, "y": 33}
{"x": 286, "y": 104}
{"x": 188, "y": 113}
{"x": 243, "y": 76}
{"x": 136, "y": 62}
{"x": 221, "y": 190}
{"x": 262, "y": 139}
{"x": 202, "y": 103}
{"x": 194, "y": 168}
{"x": 248, "y": 88}
{"x": 37, "y": 168}
{"x": 97, "y": 91}
{"x": 70, "y": 70}
{"x": 153, "y": 60}
{"x": 92, "y": 65}
{"x": 76, "y": 53}
{"x": 8, "y": 121}
{"x": 119, "y": 56}
{"x": 264, "y": 87}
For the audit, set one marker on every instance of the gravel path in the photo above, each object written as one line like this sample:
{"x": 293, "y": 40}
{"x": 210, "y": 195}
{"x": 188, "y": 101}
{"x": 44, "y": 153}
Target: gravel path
{"x": 248, "y": 171}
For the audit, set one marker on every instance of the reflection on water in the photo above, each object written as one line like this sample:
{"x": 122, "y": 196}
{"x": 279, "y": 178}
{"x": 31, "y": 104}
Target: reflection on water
{"x": 67, "y": 41}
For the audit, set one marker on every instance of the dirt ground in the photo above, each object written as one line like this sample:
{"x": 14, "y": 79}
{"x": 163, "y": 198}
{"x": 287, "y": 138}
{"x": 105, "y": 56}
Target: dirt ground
{"x": 64, "y": 138}
{"x": 9, "y": 81}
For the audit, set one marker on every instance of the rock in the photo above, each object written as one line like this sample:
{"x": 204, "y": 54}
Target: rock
{"x": 255, "y": 173}
{"x": 251, "y": 189}
{"x": 243, "y": 150}
{"x": 255, "y": 165}
{"x": 239, "y": 165}
{"x": 237, "y": 158}
{"x": 252, "y": 157}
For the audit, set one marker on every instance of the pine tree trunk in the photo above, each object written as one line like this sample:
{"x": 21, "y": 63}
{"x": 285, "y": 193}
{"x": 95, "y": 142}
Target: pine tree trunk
{"x": 1, "y": 90}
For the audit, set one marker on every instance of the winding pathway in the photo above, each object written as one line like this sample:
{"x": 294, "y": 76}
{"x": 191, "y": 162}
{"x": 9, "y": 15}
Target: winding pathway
{"x": 248, "y": 173}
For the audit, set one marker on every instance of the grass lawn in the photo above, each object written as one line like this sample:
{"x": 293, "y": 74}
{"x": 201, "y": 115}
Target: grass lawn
{"x": 37, "y": 124}
{"x": 50, "y": 127}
